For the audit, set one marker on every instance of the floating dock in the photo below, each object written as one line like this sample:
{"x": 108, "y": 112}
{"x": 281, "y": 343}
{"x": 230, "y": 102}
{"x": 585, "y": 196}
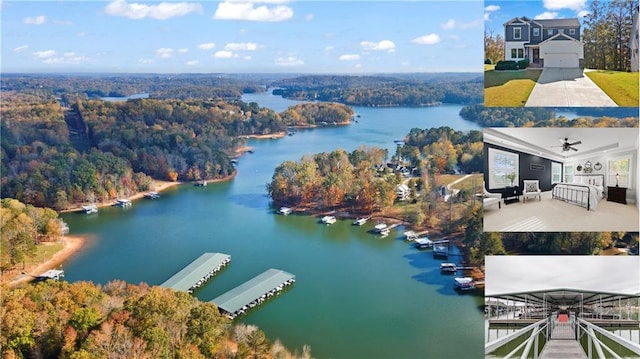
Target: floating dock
{"x": 253, "y": 292}
{"x": 51, "y": 274}
{"x": 197, "y": 272}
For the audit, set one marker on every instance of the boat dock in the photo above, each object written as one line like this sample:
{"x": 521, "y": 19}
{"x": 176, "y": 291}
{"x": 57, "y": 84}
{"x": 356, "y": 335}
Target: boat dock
{"x": 51, "y": 274}
{"x": 253, "y": 292}
{"x": 197, "y": 272}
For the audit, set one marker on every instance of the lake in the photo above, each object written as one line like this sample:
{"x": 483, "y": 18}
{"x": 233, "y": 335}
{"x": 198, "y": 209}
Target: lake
{"x": 356, "y": 295}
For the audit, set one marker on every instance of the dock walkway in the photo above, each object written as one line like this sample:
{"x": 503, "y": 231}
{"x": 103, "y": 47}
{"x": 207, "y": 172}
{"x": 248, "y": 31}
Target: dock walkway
{"x": 197, "y": 272}
{"x": 253, "y": 292}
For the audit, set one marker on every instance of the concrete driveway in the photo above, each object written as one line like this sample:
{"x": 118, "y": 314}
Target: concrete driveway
{"x": 567, "y": 87}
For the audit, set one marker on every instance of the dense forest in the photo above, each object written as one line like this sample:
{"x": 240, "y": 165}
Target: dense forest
{"x": 380, "y": 91}
{"x": 97, "y": 150}
{"x": 119, "y": 320}
{"x": 180, "y": 86}
{"x": 546, "y": 117}
{"x": 608, "y": 26}
{"x": 22, "y": 228}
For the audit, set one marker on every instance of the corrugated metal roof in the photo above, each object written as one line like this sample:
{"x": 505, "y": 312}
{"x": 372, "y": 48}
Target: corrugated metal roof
{"x": 196, "y": 270}
{"x": 251, "y": 290}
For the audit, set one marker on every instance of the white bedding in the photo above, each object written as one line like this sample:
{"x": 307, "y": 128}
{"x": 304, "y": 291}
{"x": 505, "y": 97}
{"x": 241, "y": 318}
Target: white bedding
{"x": 578, "y": 193}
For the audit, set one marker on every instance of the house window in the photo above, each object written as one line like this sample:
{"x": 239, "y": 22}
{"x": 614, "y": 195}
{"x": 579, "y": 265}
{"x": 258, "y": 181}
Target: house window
{"x": 572, "y": 31}
{"x": 568, "y": 173}
{"x": 619, "y": 171}
{"x": 536, "y": 31}
{"x": 503, "y": 168}
{"x": 517, "y": 33}
{"x": 561, "y": 31}
{"x": 556, "y": 172}
{"x": 517, "y": 53}
{"x": 550, "y": 32}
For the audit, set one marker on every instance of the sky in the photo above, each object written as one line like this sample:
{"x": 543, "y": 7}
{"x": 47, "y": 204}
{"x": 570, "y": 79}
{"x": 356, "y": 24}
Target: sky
{"x": 496, "y": 13}
{"x": 512, "y": 274}
{"x": 236, "y": 36}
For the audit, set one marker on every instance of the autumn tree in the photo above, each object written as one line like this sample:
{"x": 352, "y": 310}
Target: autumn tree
{"x": 493, "y": 46}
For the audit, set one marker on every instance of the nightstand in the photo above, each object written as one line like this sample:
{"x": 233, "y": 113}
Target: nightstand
{"x": 617, "y": 194}
{"x": 511, "y": 194}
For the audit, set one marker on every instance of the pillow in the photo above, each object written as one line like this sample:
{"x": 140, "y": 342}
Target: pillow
{"x": 531, "y": 187}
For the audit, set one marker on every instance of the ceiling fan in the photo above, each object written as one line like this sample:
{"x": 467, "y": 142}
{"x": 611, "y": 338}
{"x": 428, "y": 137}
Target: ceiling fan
{"x": 566, "y": 145}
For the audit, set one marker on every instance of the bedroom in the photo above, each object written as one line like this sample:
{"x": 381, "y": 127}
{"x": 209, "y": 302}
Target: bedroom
{"x": 561, "y": 179}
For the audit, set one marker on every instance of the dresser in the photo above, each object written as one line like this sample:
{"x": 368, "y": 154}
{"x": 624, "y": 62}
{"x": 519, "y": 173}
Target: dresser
{"x": 617, "y": 194}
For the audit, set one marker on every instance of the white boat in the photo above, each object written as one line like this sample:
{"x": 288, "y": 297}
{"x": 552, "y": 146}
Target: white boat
{"x": 448, "y": 267}
{"x": 328, "y": 219}
{"x": 123, "y": 203}
{"x": 285, "y": 211}
{"x": 464, "y": 283}
{"x": 380, "y": 227}
{"x": 92, "y": 208}
{"x": 152, "y": 195}
{"x": 201, "y": 183}
{"x": 360, "y": 221}
{"x": 385, "y": 232}
{"x": 410, "y": 235}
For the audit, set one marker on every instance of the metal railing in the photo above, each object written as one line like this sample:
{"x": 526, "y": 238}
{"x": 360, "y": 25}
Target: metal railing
{"x": 532, "y": 340}
{"x": 596, "y": 344}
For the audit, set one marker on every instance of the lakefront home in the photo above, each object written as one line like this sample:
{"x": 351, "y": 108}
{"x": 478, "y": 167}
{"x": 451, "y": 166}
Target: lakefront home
{"x": 546, "y": 43}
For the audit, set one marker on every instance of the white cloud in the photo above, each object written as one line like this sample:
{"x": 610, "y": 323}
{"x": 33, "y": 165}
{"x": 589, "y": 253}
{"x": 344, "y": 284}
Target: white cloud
{"x": 20, "y": 48}
{"x": 309, "y": 17}
{"x": 450, "y": 24}
{"x": 349, "y": 57}
{"x": 289, "y": 61}
{"x": 454, "y": 37}
{"x": 546, "y": 15}
{"x": 247, "y": 58}
{"x": 241, "y": 46}
{"x": 486, "y": 16}
{"x": 491, "y": 8}
{"x": 329, "y": 48}
{"x": 49, "y": 57}
{"x": 404, "y": 63}
{"x": 145, "y": 61}
{"x": 44, "y": 54}
{"x": 453, "y": 24}
{"x": 183, "y": 50}
{"x": 164, "y": 52}
{"x": 358, "y": 66}
{"x": 192, "y": 62}
{"x": 430, "y": 39}
{"x": 384, "y": 45}
{"x": 576, "y": 5}
{"x": 223, "y": 54}
{"x": 207, "y": 46}
{"x": 63, "y": 22}
{"x": 162, "y": 11}
{"x": 246, "y": 10}
{"x": 36, "y": 20}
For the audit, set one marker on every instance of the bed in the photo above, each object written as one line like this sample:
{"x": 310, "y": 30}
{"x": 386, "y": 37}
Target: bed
{"x": 585, "y": 191}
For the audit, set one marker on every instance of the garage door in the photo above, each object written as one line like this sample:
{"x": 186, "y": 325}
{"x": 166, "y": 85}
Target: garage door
{"x": 561, "y": 60}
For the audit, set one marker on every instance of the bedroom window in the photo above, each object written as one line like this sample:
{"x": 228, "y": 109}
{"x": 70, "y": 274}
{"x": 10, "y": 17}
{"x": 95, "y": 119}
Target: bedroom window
{"x": 568, "y": 173}
{"x": 503, "y": 168}
{"x": 550, "y": 32}
{"x": 536, "y": 31}
{"x": 620, "y": 167}
{"x": 556, "y": 172}
{"x": 517, "y": 33}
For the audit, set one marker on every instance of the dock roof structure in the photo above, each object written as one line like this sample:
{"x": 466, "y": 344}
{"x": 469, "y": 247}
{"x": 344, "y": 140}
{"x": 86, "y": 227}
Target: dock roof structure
{"x": 252, "y": 289}
{"x": 195, "y": 271}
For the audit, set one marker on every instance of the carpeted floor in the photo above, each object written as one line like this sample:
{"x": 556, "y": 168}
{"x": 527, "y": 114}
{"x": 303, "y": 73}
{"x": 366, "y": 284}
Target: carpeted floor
{"x": 552, "y": 215}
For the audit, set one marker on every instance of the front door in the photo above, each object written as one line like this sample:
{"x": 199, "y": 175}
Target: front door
{"x": 535, "y": 55}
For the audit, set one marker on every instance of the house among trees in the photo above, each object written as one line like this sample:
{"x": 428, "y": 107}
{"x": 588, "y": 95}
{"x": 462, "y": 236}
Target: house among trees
{"x": 403, "y": 192}
{"x": 634, "y": 43}
{"x": 546, "y": 43}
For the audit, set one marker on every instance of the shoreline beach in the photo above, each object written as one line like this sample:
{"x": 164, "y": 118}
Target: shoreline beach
{"x": 72, "y": 244}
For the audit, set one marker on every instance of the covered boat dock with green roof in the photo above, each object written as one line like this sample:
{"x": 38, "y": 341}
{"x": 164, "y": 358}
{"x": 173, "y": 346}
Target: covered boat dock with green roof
{"x": 253, "y": 292}
{"x": 197, "y": 272}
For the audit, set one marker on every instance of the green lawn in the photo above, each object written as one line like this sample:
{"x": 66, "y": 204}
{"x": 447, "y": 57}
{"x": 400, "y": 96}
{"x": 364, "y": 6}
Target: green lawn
{"x": 622, "y": 87}
{"x": 508, "y": 88}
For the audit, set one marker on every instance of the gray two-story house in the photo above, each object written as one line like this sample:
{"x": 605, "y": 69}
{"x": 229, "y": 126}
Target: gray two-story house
{"x": 546, "y": 43}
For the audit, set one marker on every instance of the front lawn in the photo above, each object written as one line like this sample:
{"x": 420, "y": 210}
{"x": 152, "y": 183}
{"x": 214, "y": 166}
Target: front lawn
{"x": 508, "y": 88}
{"x": 622, "y": 87}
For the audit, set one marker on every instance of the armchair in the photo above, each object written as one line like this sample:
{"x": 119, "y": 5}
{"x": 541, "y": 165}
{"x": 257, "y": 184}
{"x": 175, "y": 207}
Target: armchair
{"x": 531, "y": 189}
{"x": 489, "y": 199}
